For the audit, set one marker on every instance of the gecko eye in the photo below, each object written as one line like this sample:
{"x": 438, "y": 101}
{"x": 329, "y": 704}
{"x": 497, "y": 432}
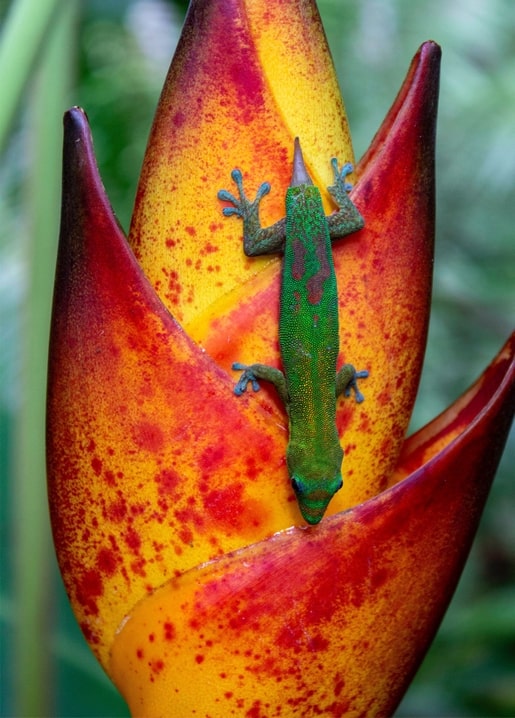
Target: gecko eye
{"x": 297, "y": 486}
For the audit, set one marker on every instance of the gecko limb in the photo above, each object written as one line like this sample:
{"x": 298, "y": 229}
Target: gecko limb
{"x": 347, "y": 381}
{"x": 242, "y": 206}
{"x": 340, "y": 189}
{"x": 253, "y": 372}
{"x": 256, "y": 239}
{"x": 347, "y": 219}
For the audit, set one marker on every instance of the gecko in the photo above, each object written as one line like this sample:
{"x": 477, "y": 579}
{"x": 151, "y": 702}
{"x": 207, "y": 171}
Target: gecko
{"x": 309, "y": 342}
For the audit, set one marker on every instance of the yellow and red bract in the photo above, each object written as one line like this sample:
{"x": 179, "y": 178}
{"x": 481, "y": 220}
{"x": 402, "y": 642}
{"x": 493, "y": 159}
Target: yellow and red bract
{"x": 184, "y": 554}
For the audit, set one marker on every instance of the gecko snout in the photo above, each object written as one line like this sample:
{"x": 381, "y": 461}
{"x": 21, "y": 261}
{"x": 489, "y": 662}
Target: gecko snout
{"x": 314, "y": 497}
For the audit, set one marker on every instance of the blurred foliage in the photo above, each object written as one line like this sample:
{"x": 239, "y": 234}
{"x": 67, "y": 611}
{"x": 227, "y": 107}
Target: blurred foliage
{"x": 121, "y": 53}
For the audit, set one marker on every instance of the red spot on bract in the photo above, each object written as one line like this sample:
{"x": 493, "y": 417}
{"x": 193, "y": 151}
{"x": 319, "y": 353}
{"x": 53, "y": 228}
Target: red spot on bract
{"x": 211, "y": 457}
{"x": 191, "y": 231}
{"x": 251, "y": 471}
{"x": 199, "y": 658}
{"x": 149, "y": 436}
{"x": 139, "y": 653}
{"x": 295, "y": 639}
{"x": 157, "y": 665}
{"x": 96, "y": 465}
{"x": 116, "y": 511}
{"x": 186, "y": 535}
{"x": 167, "y": 481}
{"x": 179, "y": 119}
{"x": 255, "y": 710}
{"x": 89, "y": 634}
{"x": 132, "y": 539}
{"x": 107, "y": 561}
{"x": 90, "y": 587}
{"x": 169, "y": 630}
{"x": 225, "y": 505}
{"x": 209, "y": 248}
{"x": 339, "y": 686}
{"x": 110, "y": 478}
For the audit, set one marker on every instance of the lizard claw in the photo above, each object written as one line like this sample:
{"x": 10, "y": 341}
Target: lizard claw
{"x": 340, "y": 188}
{"x": 353, "y": 386}
{"x": 247, "y": 377}
{"x": 242, "y": 206}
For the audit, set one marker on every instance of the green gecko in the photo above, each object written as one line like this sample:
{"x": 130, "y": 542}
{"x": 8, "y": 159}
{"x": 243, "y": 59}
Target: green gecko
{"x": 308, "y": 326}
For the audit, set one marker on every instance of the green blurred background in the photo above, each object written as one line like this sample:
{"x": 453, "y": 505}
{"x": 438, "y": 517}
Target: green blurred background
{"x": 111, "y": 56}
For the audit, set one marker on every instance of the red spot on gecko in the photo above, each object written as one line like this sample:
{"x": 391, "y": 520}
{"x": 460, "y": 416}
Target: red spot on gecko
{"x": 315, "y": 284}
{"x": 299, "y": 257}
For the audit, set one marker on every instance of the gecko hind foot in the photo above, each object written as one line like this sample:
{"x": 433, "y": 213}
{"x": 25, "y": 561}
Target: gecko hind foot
{"x": 353, "y": 386}
{"x": 247, "y": 377}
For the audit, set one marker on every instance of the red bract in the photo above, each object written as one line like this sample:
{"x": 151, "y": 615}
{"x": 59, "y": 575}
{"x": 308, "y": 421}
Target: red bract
{"x": 187, "y": 562}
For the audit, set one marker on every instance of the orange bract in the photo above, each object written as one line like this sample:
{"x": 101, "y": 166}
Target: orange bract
{"x": 177, "y": 532}
{"x": 345, "y": 636}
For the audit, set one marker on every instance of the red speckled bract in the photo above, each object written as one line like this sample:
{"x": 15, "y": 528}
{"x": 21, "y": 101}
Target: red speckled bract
{"x": 154, "y": 465}
{"x": 345, "y": 637}
{"x": 185, "y": 557}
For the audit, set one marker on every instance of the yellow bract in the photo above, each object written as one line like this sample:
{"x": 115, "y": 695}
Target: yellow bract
{"x": 225, "y": 105}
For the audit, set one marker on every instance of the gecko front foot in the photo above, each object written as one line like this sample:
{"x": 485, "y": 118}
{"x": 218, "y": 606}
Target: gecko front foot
{"x": 242, "y": 206}
{"x": 340, "y": 188}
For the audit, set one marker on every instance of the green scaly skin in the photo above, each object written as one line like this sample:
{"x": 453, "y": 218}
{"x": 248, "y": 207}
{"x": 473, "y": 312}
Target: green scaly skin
{"x": 308, "y": 326}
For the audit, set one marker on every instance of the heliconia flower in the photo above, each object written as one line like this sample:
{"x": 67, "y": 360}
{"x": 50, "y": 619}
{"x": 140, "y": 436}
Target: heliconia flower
{"x": 189, "y": 567}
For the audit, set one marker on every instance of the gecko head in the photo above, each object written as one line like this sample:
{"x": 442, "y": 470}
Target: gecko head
{"x": 313, "y": 497}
